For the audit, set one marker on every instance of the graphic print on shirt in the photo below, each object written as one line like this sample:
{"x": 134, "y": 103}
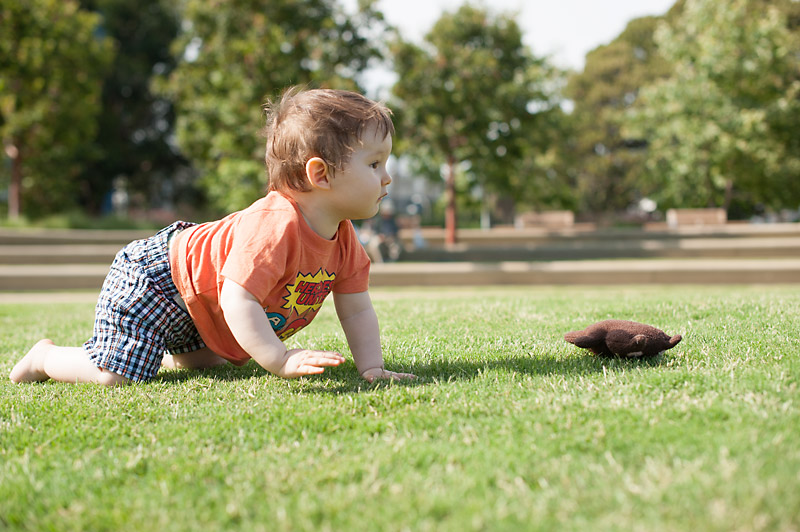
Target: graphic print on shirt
{"x": 303, "y": 301}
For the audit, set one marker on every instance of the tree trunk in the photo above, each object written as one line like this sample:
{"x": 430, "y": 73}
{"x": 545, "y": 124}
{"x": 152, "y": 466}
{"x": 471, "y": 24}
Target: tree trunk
{"x": 450, "y": 208}
{"x": 728, "y": 195}
{"x": 15, "y": 186}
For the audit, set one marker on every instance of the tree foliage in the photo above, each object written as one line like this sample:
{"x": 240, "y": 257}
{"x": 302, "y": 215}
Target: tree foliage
{"x": 604, "y": 164}
{"x": 470, "y": 99}
{"x": 723, "y": 127}
{"x": 233, "y": 55}
{"x": 52, "y": 58}
{"x": 132, "y": 140}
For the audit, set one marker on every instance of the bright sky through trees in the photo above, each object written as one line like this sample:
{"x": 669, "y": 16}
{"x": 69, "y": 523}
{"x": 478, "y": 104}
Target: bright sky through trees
{"x": 566, "y": 29}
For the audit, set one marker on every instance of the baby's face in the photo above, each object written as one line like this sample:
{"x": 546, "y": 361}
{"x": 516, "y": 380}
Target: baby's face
{"x": 362, "y": 183}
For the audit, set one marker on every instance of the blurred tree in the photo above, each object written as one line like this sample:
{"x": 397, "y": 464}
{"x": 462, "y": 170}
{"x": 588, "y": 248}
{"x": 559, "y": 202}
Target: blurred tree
{"x": 52, "y": 60}
{"x": 132, "y": 140}
{"x": 604, "y": 165}
{"x": 233, "y": 55}
{"x": 473, "y": 101}
{"x": 726, "y": 125}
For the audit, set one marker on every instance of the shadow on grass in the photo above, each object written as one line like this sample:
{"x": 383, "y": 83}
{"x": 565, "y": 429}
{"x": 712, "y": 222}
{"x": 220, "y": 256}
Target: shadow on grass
{"x": 572, "y": 366}
{"x": 345, "y": 378}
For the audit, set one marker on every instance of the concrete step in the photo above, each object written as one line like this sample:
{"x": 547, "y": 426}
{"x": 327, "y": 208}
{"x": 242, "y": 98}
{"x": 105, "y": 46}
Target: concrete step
{"x": 58, "y": 254}
{"x": 661, "y": 271}
{"x": 512, "y": 237}
{"x": 666, "y": 271}
{"x": 735, "y": 247}
{"x": 434, "y": 236}
{"x": 39, "y": 237}
{"x": 23, "y": 277}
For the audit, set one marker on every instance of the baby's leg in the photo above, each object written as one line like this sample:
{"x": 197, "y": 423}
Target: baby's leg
{"x": 46, "y": 360}
{"x": 201, "y": 359}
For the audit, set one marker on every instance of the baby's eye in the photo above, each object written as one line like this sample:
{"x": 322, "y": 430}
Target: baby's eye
{"x": 374, "y": 165}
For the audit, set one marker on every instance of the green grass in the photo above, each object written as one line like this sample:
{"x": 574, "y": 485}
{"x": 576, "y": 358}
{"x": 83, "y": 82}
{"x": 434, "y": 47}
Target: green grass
{"x": 507, "y": 428}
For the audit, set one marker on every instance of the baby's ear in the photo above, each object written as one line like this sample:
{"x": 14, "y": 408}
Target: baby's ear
{"x": 318, "y": 173}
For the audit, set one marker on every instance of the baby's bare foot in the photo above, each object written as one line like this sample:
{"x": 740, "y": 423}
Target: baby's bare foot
{"x": 168, "y": 362}
{"x": 29, "y": 369}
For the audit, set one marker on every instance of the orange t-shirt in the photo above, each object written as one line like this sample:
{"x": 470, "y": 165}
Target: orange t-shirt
{"x": 271, "y": 251}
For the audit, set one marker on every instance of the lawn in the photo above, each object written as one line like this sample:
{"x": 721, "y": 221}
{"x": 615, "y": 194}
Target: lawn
{"x": 508, "y": 427}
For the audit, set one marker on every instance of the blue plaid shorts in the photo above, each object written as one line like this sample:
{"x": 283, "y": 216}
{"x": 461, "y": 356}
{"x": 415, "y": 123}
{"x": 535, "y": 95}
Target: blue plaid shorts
{"x": 136, "y": 317}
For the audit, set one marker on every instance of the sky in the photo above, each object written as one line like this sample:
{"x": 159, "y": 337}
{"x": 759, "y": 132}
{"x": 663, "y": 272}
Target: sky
{"x": 564, "y": 30}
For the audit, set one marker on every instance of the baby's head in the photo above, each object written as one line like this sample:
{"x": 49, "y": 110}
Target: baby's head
{"x": 317, "y": 123}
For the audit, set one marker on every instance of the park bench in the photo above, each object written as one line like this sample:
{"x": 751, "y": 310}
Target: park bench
{"x": 683, "y": 217}
{"x": 546, "y": 219}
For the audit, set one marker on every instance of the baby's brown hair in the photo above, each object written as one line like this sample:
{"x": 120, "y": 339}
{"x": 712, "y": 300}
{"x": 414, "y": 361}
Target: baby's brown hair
{"x": 321, "y": 123}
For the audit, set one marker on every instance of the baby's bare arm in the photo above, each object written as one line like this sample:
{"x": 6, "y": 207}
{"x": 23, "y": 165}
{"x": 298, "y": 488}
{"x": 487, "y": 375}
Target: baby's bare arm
{"x": 252, "y": 330}
{"x": 360, "y": 325}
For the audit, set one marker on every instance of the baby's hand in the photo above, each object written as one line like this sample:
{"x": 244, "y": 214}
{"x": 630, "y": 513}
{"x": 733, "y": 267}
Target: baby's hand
{"x": 300, "y": 362}
{"x": 379, "y": 373}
